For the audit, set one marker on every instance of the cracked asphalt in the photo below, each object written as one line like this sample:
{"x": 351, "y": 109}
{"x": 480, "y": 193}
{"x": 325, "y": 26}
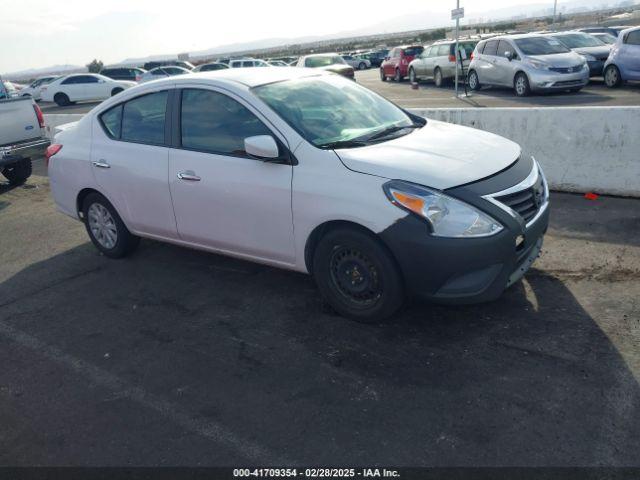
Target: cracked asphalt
{"x": 179, "y": 357}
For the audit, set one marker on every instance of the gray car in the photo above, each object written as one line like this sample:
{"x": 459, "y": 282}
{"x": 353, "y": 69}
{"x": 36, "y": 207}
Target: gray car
{"x": 438, "y": 63}
{"x": 527, "y": 63}
{"x": 594, "y": 51}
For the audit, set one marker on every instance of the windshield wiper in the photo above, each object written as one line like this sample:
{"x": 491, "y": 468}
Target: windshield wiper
{"x": 343, "y": 144}
{"x": 390, "y": 130}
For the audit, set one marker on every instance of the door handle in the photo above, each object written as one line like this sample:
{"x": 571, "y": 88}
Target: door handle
{"x": 188, "y": 176}
{"x": 101, "y": 164}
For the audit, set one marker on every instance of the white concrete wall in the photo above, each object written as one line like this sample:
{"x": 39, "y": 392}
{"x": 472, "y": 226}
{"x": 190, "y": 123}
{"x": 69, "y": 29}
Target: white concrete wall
{"x": 582, "y": 149}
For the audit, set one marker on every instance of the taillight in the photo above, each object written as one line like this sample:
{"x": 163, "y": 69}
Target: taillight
{"x": 452, "y": 58}
{"x": 39, "y": 115}
{"x": 404, "y": 61}
{"x": 51, "y": 151}
{"x": 471, "y": 57}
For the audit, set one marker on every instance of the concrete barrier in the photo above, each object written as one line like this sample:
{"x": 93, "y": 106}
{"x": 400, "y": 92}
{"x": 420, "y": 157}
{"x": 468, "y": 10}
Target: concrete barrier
{"x": 582, "y": 149}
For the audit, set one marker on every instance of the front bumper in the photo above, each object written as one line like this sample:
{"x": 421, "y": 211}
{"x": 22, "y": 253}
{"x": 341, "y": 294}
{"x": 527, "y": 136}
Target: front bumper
{"x": 548, "y": 81}
{"x": 466, "y": 270}
{"x": 14, "y": 153}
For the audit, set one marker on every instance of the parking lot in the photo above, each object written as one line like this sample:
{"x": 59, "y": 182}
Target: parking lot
{"x": 179, "y": 357}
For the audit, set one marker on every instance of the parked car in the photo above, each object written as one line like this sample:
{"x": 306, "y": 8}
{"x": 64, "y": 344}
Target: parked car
{"x": 331, "y": 62}
{"x": 168, "y": 63}
{"x": 33, "y": 90}
{"x": 132, "y": 74}
{"x": 363, "y": 204}
{"x": 623, "y": 63}
{"x": 7, "y": 90}
{"x": 594, "y": 51}
{"x": 527, "y": 63}
{"x": 438, "y": 62}
{"x": 210, "y": 67}
{"x": 357, "y": 62}
{"x": 82, "y": 87}
{"x": 163, "y": 72}
{"x": 610, "y": 30}
{"x": 22, "y": 137}
{"x": 247, "y": 63}
{"x": 606, "y": 38}
{"x": 396, "y": 65}
{"x": 277, "y": 63}
{"x": 376, "y": 57}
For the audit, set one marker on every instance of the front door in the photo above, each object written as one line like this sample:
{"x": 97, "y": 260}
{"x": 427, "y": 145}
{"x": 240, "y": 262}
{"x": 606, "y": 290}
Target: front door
{"x": 223, "y": 198}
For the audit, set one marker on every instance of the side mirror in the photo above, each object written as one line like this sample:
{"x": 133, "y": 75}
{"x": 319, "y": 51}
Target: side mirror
{"x": 263, "y": 147}
{"x": 387, "y": 58}
{"x": 509, "y": 55}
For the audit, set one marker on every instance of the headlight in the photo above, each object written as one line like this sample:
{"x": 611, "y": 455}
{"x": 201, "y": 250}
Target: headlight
{"x": 537, "y": 64}
{"x": 447, "y": 216}
{"x": 588, "y": 58}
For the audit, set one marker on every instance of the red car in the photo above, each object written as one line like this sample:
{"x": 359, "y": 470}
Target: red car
{"x": 396, "y": 65}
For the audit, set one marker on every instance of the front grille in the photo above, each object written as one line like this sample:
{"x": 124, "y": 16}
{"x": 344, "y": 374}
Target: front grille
{"x": 568, "y": 83}
{"x": 565, "y": 69}
{"x": 525, "y": 203}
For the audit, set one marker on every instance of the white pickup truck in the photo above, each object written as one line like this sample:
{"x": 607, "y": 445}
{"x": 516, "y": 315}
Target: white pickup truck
{"x": 22, "y": 137}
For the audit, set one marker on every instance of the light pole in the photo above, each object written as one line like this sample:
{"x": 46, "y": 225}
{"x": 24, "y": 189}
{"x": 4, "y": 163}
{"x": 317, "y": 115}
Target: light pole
{"x": 555, "y": 10}
{"x": 457, "y": 41}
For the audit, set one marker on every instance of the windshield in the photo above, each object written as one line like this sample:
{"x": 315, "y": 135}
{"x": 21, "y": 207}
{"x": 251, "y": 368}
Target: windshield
{"x": 579, "y": 40}
{"x": 540, "y": 46}
{"x": 330, "y": 109}
{"x": 413, "y": 51}
{"x": 325, "y": 61}
{"x": 606, "y": 38}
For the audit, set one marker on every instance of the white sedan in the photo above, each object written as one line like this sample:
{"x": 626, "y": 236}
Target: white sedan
{"x": 306, "y": 171}
{"x": 82, "y": 87}
{"x": 33, "y": 90}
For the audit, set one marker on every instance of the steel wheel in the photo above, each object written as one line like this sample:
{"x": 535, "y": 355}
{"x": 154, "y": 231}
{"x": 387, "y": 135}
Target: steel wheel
{"x": 612, "y": 76}
{"x": 474, "y": 83}
{"x": 102, "y": 226}
{"x": 355, "y": 277}
{"x": 521, "y": 85}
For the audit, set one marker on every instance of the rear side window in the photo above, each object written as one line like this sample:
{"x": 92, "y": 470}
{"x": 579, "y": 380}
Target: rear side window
{"x": 70, "y": 81}
{"x": 633, "y": 38}
{"x": 213, "y": 122}
{"x": 140, "y": 120}
{"x": 491, "y": 48}
{"x": 445, "y": 50}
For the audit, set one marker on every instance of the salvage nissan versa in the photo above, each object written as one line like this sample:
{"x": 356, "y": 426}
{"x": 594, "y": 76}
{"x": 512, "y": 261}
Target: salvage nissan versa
{"x": 311, "y": 172}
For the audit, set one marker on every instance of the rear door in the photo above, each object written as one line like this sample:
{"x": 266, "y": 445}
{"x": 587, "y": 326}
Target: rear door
{"x": 223, "y": 198}
{"x": 130, "y": 161}
{"x": 75, "y": 87}
{"x": 486, "y": 68}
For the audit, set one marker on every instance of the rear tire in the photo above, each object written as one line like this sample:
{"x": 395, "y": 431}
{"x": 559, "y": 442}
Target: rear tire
{"x": 116, "y": 91}
{"x": 362, "y": 66}
{"x": 413, "y": 78}
{"x": 62, "y": 99}
{"x": 106, "y": 229}
{"x": 521, "y": 85}
{"x": 474, "y": 81}
{"x": 437, "y": 78}
{"x": 357, "y": 275}
{"x": 383, "y": 77}
{"x": 18, "y": 173}
{"x": 612, "y": 77}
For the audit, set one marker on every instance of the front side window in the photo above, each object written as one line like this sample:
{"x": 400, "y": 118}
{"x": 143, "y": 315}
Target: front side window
{"x": 491, "y": 48}
{"x": 213, "y": 122}
{"x": 143, "y": 119}
{"x": 330, "y": 109}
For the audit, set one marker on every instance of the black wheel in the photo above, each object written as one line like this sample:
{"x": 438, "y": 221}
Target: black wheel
{"x": 612, "y": 77}
{"x": 116, "y": 91}
{"x": 383, "y": 77}
{"x": 17, "y": 173}
{"x": 106, "y": 229}
{"x": 397, "y": 77}
{"x": 357, "y": 275}
{"x": 474, "y": 81}
{"x": 362, "y": 66}
{"x": 61, "y": 99}
{"x": 437, "y": 78}
{"x": 521, "y": 85}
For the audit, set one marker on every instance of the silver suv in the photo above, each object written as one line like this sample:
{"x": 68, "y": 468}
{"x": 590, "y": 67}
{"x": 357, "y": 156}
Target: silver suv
{"x": 438, "y": 61}
{"x": 527, "y": 63}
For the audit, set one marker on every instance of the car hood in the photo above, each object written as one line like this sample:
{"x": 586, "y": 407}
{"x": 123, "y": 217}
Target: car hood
{"x": 560, "y": 60}
{"x": 439, "y": 155}
{"x": 597, "y": 52}
{"x": 341, "y": 69}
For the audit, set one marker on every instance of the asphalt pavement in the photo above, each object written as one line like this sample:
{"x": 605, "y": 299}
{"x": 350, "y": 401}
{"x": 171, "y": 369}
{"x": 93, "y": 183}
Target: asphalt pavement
{"x": 179, "y": 357}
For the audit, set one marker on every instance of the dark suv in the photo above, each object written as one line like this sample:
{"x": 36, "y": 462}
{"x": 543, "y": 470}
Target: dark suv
{"x": 123, "y": 73}
{"x": 396, "y": 65}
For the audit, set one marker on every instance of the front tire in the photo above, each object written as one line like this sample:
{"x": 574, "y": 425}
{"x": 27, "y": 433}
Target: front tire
{"x": 18, "y": 173}
{"x": 106, "y": 229}
{"x": 397, "y": 77}
{"x": 521, "y": 85}
{"x": 61, "y": 99}
{"x": 362, "y": 66}
{"x": 474, "y": 81}
{"x": 357, "y": 275}
{"x": 383, "y": 77}
{"x": 612, "y": 77}
{"x": 116, "y": 91}
{"x": 437, "y": 78}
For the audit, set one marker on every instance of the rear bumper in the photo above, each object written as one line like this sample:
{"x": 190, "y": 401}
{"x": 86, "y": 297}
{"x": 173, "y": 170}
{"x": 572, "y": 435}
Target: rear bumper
{"x": 13, "y": 153}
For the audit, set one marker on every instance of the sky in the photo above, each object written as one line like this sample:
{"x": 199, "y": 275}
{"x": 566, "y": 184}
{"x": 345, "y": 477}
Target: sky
{"x": 41, "y": 33}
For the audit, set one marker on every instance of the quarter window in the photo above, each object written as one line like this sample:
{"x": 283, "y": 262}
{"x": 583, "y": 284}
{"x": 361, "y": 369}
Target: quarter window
{"x": 633, "y": 38}
{"x": 112, "y": 121}
{"x": 213, "y": 122}
{"x": 143, "y": 119}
